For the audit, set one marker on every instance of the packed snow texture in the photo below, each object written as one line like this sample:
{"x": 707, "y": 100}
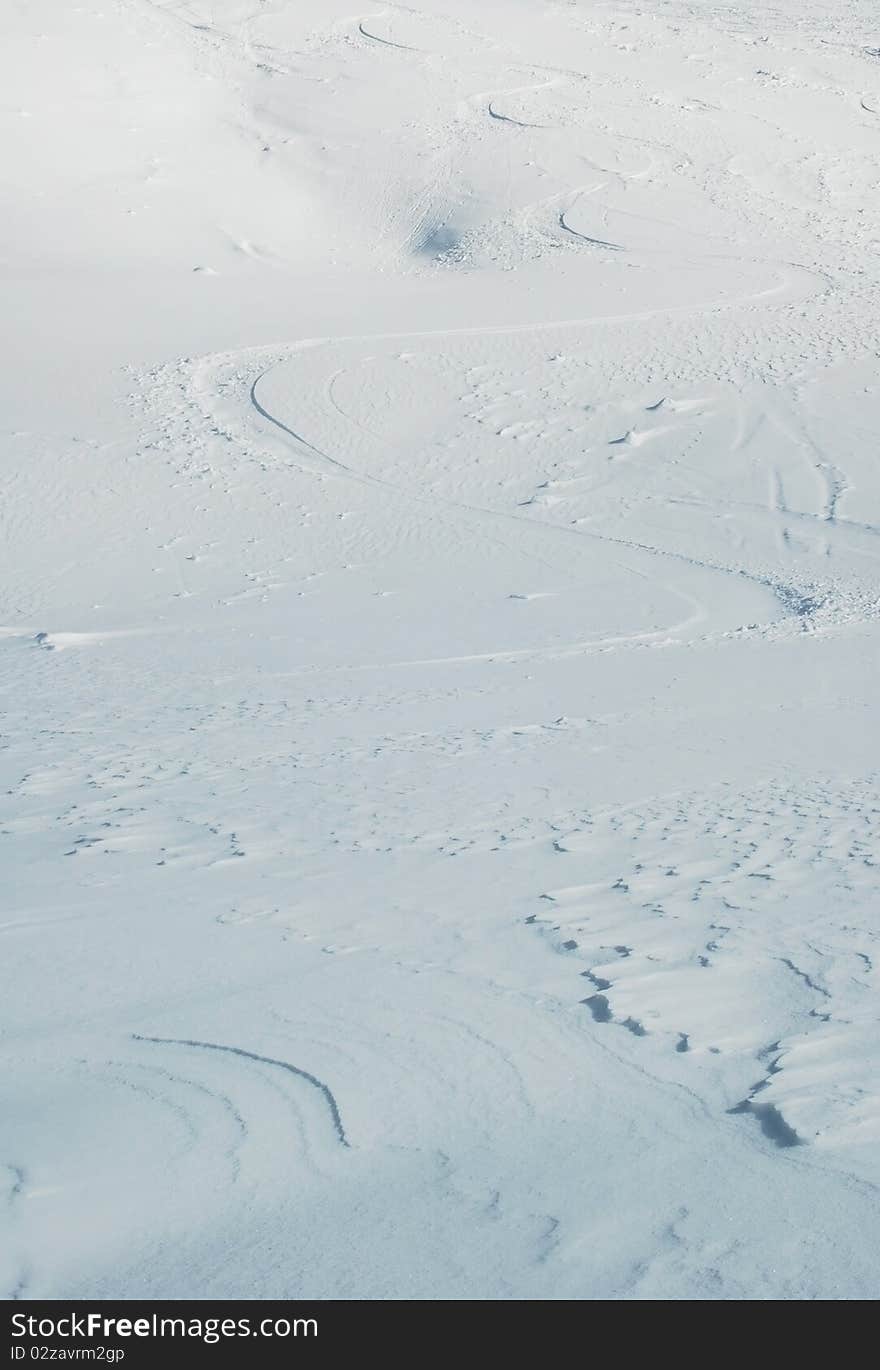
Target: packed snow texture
{"x": 440, "y": 621}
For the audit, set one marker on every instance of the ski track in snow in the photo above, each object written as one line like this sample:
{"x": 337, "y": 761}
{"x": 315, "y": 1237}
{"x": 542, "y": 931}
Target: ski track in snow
{"x": 327, "y": 1094}
{"x": 439, "y": 623}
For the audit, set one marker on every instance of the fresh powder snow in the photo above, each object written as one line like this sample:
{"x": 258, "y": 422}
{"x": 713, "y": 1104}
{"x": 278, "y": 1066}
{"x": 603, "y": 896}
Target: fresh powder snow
{"x": 440, "y": 529}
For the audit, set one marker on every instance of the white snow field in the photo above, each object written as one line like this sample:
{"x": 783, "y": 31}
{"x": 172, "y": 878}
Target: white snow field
{"x": 439, "y": 641}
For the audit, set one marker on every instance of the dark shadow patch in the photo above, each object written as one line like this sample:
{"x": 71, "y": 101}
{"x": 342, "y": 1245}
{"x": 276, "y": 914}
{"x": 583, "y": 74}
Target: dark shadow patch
{"x": 599, "y": 1007}
{"x": 443, "y": 238}
{"x": 771, "y": 1121}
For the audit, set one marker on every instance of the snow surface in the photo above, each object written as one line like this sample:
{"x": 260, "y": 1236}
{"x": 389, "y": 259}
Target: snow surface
{"x": 440, "y": 512}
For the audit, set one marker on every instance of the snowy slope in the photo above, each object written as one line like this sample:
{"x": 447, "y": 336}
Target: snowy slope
{"x": 440, "y": 526}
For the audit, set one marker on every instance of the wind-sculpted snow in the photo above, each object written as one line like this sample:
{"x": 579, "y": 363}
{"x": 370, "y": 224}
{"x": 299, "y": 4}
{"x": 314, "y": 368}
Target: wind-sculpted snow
{"x": 441, "y": 521}
{"x": 723, "y": 899}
